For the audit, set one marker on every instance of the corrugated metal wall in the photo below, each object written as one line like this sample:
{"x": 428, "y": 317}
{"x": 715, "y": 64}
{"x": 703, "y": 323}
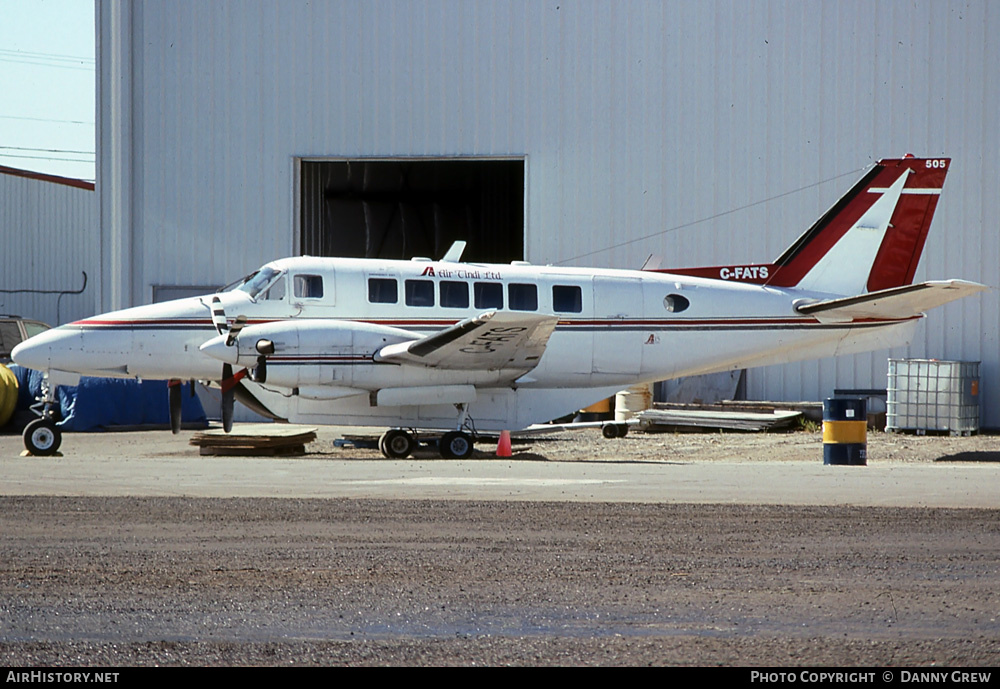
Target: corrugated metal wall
{"x": 637, "y": 119}
{"x": 50, "y": 238}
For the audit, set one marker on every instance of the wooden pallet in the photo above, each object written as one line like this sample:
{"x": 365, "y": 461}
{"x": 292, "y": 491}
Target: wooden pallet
{"x": 262, "y": 440}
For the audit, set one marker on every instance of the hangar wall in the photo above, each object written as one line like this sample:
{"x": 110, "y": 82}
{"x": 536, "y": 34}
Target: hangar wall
{"x": 709, "y": 133}
{"x": 50, "y": 239}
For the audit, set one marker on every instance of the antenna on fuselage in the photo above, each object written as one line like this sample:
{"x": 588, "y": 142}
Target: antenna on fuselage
{"x": 454, "y": 252}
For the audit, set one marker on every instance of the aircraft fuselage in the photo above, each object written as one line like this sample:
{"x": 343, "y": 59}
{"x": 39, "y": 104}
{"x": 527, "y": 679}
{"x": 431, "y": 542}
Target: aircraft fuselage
{"x": 330, "y": 317}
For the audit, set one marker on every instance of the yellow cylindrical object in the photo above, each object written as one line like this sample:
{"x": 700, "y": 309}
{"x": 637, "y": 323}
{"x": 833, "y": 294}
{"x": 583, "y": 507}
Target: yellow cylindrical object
{"x": 8, "y": 394}
{"x": 845, "y": 431}
{"x": 602, "y": 407}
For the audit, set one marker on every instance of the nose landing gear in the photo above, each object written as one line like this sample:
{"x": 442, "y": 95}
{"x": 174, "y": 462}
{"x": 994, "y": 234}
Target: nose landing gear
{"x": 42, "y": 437}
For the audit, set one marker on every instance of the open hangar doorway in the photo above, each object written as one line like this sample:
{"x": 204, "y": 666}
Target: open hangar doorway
{"x": 398, "y": 208}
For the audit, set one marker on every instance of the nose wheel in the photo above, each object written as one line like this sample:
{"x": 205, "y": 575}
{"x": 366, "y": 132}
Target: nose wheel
{"x": 42, "y": 437}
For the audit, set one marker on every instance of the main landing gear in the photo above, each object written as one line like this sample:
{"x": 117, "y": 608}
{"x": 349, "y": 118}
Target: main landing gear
{"x": 398, "y": 444}
{"x": 455, "y": 445}
{"x": 42, "y": 437}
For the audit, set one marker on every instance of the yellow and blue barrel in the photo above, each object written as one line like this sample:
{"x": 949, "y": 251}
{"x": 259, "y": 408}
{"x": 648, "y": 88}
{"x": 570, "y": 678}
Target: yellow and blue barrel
{"x": 845, "y": 431}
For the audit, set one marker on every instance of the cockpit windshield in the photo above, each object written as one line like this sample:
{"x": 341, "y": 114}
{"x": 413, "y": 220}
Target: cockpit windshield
{"x": 255, "y": 283}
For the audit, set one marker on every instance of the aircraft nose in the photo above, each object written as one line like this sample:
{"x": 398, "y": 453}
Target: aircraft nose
{"x": 36, "y": 352}
{"x": 74, "y": 349}
{"x": 218, "y": 349}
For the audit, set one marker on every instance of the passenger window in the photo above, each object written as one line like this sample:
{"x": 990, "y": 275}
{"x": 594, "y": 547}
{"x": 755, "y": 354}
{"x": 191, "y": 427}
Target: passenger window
{"x": 419, "y": 293}
{"x": 521, "y": 297}
{"x": 309, "y": 286}
{"x": 383, "y": 291}
{"x": 568, "y": 298}
{"x": 454, "y": 295}
{"x": 488, "y": 295}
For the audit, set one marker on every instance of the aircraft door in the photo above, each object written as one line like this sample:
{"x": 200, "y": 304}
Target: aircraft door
{"x": 618, "y": 339}
{"x": 313, "y": 293}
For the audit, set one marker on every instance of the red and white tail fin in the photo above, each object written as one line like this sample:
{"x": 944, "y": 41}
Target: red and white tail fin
{"x": 871, "y": 239}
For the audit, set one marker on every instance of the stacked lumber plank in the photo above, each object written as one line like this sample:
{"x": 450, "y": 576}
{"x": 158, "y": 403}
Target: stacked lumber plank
{"x": 701, "y": 420}
{"x": 269, "y": 440}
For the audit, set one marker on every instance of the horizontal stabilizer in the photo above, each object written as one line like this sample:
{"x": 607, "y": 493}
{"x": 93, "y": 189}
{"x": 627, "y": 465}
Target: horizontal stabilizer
{"x": 896, "y": 302}
{"x": 491, "y": 341}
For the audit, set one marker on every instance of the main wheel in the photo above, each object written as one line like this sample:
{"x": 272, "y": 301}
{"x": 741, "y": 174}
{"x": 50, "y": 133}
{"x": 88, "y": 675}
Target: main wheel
{"x": 610, "y": 430}
{"x": 42, "y": 437}
{"x": 396, "y": 444}
{"x": 455, "y": 445}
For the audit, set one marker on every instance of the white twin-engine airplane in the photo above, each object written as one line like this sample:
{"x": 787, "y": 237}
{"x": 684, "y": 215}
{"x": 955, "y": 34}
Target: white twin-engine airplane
{"x": 459, "y": 347}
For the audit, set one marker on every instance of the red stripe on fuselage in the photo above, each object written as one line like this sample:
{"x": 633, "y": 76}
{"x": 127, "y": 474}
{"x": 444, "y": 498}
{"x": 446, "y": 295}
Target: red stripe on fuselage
{"x": 805, "y": 321}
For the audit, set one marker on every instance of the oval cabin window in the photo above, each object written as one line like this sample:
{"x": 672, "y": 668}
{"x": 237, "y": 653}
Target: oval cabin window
{"x": 675, "y": 303}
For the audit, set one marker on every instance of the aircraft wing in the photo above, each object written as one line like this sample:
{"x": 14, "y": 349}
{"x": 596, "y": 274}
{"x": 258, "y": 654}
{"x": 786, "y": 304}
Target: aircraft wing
{"x": 896, "y": 302}
{"x": 491, "y": 341}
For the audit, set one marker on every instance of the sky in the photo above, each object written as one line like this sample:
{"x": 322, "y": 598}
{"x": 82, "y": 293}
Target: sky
{"x": 47, "y": 86}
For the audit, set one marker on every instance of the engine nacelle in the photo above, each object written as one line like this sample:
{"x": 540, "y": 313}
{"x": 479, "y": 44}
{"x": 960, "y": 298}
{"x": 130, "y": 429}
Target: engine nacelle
{"x": 307, "y": 351}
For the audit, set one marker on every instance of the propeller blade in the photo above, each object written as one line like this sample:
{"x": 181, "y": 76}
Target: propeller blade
{"x": 219, "y": 316}
{"x": 174, "y": 400}
{"x": 229, "y": 383}
{"x": 234, "y": 331}
{"x": 228, "y": 405}
{"x": 228, "y": 397}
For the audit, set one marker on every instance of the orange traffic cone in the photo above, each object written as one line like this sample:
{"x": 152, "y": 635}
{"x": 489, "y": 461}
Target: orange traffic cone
{"x": 503, "y": 447}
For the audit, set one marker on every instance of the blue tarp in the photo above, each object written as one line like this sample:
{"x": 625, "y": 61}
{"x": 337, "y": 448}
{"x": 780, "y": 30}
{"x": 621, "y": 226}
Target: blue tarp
{"x": 100, "y": 403}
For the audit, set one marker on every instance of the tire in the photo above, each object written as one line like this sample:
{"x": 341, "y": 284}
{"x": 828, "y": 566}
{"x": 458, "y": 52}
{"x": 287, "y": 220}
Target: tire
{"x": 609, "y": 430}
{"x": 42, "y": 437}
{"x": 455, "y": 445}
{"x": 622, "y": 430}
{"x": 396, "y": 444}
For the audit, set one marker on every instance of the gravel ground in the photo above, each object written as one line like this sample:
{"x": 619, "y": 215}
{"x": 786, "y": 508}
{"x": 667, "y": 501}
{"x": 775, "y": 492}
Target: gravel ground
{"x": 125, "y": 581}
